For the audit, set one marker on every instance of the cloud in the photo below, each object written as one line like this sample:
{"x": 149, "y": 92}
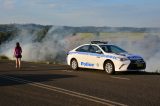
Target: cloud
{"x": 41, "y": 3}
{"x": 81, "y": 12}
{"x": 8, "y": 4}
{"x": 52, "y": 5}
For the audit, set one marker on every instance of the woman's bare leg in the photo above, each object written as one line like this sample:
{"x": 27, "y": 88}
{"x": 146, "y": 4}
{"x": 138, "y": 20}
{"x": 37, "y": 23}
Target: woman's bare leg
{"x": 19, "y": 62}
{"x": 16, "y": 62}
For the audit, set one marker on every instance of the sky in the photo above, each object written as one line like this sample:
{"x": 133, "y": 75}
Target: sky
{"x": 114, "y": 13}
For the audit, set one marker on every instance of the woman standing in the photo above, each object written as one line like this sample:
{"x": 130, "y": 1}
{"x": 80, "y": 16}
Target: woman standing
{"x": 18, "y": 55}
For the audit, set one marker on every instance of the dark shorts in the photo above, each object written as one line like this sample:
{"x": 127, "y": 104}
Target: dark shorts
{"x": 18, "y": 56}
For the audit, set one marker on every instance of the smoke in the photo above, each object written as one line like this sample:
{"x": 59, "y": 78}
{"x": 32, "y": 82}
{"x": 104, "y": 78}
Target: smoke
{"x": 55, "y": 44}
{"x": 51, "y": 48}
{"x": 148, "y": 48}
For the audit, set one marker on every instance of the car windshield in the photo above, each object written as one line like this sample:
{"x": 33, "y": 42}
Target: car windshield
{"x": 112, "y": 49}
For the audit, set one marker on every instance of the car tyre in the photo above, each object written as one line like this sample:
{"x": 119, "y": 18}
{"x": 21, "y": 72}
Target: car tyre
{"x": 109, "y": 67}
{"x": 74, "y": 64}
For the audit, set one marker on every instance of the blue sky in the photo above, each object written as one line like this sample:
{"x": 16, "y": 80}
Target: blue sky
{"x": 116, "y": 13}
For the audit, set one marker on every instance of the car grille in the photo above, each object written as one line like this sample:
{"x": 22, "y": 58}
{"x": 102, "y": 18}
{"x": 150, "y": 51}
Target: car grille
{"x": 137, "y": 64}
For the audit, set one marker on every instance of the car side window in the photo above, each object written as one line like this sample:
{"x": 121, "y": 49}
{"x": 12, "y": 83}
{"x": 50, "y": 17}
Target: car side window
{"x": 115, "y": 49}
{"x": 83, "y": 48}
{"x": 94, "y": 49}
{"x": 105, "y": 48}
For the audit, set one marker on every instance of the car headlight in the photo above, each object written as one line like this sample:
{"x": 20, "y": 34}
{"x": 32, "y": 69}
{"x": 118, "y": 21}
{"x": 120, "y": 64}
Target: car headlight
{"x": 123, "y": 59}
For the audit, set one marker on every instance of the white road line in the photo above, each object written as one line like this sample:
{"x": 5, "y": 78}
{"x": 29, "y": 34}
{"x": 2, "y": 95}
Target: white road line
{"x": 33, "y": 66}
{"x": 66, "y": 70}
{"x": 122, "y": 78}
{"x": 65, "y": 91}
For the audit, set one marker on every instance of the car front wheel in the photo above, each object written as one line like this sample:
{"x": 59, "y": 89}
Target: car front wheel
{"x": 74, "y": 64}
{"x": 109, "y": 67}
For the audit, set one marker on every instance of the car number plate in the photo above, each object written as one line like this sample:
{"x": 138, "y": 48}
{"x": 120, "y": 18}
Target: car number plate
{"x": 139, "y": 65}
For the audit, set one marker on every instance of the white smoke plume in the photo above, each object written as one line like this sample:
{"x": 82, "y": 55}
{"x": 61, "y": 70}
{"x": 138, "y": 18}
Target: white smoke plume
{"x": 57, "y": 42}
{"x": 52, "y": 47}
{"x": 148, "y": 48}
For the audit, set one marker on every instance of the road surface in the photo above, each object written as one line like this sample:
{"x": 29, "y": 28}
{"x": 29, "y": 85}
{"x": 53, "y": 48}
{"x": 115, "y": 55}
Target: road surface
{"x": 38, "y": 84}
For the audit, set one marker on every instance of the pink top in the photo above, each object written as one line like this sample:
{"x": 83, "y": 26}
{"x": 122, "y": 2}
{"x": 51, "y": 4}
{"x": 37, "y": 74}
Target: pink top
{"x": 18, "y": 51}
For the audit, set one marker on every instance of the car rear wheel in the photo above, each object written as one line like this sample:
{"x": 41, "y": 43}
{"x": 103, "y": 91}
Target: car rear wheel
{"x": 109, "y": 67}
{"x": 74, "y": 64}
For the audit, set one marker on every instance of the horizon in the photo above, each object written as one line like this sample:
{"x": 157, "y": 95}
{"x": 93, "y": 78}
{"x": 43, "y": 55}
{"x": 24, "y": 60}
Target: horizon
{"x": 75, "y": 13}
{"x": 76, "y": 26}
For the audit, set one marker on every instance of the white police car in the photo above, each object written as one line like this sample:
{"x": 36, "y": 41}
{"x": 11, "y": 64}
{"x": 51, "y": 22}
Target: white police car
{"x": 104, "y": 56}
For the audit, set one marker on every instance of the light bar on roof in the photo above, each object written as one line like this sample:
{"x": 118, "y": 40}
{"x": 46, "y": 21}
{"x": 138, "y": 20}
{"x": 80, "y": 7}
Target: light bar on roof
{"x": 99, "y": 42}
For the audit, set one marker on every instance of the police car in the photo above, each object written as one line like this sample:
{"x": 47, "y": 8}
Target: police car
{"x": 103, "y": 56}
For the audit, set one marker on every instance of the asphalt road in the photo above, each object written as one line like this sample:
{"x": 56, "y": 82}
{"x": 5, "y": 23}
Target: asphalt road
{"x": 50, "y": 85}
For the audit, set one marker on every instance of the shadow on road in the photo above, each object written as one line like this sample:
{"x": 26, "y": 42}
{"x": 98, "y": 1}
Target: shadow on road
{"x": 137, "y": 73}
{"x": 31, "y": 77}
{"x": 120, "y": 73}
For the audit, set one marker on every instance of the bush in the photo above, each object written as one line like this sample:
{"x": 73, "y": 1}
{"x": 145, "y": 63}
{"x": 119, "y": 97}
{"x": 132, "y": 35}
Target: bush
{"x": 4, "y": 58}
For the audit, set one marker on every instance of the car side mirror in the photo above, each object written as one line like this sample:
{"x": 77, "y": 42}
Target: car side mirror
{"x": 99, "y": 51}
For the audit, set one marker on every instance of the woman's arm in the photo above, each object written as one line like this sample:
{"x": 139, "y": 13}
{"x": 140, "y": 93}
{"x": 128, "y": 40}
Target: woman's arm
{"x": 14, "y": 53}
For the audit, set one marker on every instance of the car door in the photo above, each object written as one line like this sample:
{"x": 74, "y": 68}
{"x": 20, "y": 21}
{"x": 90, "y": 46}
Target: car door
{"x": 95, "y": 57}
{"x": 82, "y": 56}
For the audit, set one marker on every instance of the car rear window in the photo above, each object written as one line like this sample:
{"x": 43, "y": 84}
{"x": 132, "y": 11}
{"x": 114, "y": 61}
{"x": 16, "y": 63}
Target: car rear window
{"x": 83, "y": 48}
